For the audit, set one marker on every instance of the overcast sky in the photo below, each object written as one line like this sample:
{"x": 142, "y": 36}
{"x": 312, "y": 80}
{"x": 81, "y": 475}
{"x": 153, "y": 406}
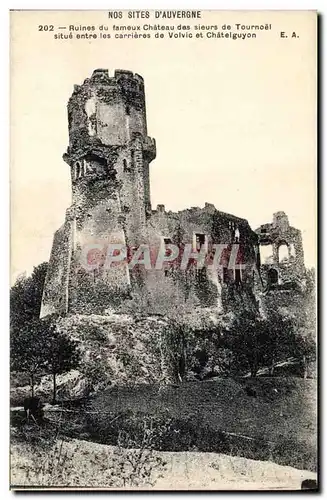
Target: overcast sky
{"x": 234, "y": 121}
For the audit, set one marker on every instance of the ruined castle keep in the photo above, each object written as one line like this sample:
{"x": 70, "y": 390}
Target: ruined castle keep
{"x": 109, "y": 156}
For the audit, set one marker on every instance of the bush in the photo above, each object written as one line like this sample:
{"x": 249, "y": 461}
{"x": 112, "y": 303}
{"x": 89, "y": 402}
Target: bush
{"x": 54, "y": 460}
{"x": 303, "y": 455}
{"x": 168, "y": 433}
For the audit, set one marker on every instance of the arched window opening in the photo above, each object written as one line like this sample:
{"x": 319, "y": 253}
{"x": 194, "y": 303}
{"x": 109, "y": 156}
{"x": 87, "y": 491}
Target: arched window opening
{"x": 266, "y": 254}
{"x": 78, "y": 170}
{"x": 283, "y": 253}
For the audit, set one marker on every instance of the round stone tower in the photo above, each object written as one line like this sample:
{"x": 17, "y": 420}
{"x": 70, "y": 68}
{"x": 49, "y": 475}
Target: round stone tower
{"x": 109, "y": 154}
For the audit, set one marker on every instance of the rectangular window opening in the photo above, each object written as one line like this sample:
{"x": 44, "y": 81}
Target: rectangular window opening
{"x": 200, "y": 240}
{"x": 126, "y": 166}
{"x": 238, "y": 276}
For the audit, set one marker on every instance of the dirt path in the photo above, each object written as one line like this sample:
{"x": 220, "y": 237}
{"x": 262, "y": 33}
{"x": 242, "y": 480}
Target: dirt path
{"x": 90, "y": 465}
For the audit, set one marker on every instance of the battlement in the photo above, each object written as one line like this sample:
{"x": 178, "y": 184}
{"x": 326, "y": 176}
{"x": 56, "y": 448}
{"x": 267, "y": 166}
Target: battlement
{"x": 109, "y": 109}
{"x": 122, "y": 79}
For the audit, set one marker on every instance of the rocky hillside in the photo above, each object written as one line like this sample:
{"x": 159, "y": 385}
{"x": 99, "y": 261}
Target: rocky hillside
{"x": 117, "y": 348}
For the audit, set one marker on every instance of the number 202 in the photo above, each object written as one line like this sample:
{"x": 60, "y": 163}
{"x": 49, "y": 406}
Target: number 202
{"x": 46, "y": 27}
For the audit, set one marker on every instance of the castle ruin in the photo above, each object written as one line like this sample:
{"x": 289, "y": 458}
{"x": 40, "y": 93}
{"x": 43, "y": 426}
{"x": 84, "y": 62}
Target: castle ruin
{"x": 109, "y": 157}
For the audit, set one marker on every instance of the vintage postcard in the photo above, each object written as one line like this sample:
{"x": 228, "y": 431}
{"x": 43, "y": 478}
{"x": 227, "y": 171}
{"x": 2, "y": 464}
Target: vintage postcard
{"x": 163, "y": 250}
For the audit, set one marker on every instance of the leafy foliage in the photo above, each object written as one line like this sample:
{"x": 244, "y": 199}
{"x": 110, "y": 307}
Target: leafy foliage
{"x": 39, "y": 348}
{"x": 55, "y": 460}
{"x": 26, "y": 331}
{"x": 36, "y": 347}
{"x": 134, "y": 462}
{"x": 27, "y": 351}
{"x": 61, "y": 353}
{"x": 26, "y": 297}
{"x": 244, "y": 341}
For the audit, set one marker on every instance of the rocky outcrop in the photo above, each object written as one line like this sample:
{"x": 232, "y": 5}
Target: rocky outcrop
{"x": 118, "y": 348}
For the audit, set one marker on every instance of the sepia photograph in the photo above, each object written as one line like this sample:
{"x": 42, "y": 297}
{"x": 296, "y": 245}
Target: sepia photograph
{"x": 163, "y": 295}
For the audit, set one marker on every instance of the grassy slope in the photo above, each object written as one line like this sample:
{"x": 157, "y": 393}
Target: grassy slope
{"x": 288, "y": 413}
{"x": 281, "y": 418}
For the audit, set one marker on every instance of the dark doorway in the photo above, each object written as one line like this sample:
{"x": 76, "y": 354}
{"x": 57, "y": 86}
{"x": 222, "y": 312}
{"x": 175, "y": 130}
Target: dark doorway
{"x": 273, "y": 276}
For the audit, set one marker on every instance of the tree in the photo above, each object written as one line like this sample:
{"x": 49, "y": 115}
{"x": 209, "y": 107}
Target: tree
{"x": 27, "y": 350}
{"x": 277, "y": 337}
{"x": 26, "y": 297}
{"x": 305, "y": 349}
{"x": 39, "y": 348}
{"x": 243, "y": 336}
{"x": 36, "y": 346}
{"x": 305, "y": 346}
{"x": 61, "y": 353}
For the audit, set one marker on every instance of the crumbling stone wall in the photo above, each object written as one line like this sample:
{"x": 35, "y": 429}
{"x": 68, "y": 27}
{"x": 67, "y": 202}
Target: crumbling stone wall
{"x": 222, "y": 287}
{"x": 56, "y": 287}
{"x": 281, "y": 271}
